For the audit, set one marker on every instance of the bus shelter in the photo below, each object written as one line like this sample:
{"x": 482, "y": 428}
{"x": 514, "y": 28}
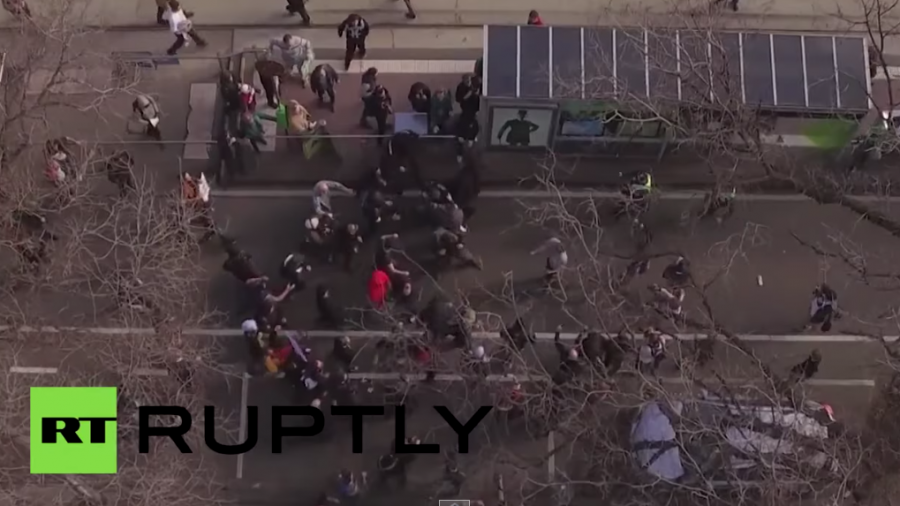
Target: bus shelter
{"x": 574, "y": 88}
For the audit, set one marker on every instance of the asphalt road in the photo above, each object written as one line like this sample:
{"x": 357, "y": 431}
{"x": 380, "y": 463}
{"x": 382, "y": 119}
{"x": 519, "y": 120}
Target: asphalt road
{"x": 323, "y": 456}
{"x": 306, "y": 466}
{"x": 758, "y": 243}
{"x": 502, "y": 236}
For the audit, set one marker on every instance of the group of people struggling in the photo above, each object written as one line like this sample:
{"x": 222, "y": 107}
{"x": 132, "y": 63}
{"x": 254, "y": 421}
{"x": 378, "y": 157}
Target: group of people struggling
{"x": 330, "y": 238}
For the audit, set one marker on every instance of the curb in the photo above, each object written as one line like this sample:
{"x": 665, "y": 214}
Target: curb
{"x": 442, "y": 26}
{"x": 727, "y": 21}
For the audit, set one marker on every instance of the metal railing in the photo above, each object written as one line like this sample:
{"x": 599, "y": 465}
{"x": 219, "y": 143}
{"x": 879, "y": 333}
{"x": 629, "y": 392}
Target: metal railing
{"x": 271, "y": 137}
{"x": 130, "y": 56}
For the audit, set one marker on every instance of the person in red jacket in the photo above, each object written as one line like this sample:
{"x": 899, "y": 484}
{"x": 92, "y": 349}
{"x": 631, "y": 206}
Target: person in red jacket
{"x": 535, "y": 19}
{"x": 248, "y": 98}
{"x": 379, "y": 288}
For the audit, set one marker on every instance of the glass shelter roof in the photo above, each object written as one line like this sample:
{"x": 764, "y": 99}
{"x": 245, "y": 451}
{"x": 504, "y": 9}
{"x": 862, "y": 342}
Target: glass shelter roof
{"x": 772, "y": 71}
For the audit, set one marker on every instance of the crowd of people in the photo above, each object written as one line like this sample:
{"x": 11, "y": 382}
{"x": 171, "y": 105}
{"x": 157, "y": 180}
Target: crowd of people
{"x": 293, "y": 56}
{"x": 339, "y": 239}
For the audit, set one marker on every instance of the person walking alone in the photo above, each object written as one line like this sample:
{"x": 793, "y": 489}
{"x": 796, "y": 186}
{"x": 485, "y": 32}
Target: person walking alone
{"x": 823, "y": 308}
{"x": 298, "y": 7}
{"x": 182, "y": 27}
{"x": 557, "y": 259}
{"x": 357, "y": 29}
{"x": 147, "y": 110}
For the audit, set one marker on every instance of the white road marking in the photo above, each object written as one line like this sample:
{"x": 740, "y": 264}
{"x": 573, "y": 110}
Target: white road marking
{"x": 33, "y": 370}
{"x": 140, "y": 371}
{"x": 373, "y": 334}
{"x": 392, "y": 376}
{"x": 543, "y": 194}
{"x": 525, "y": 378}
{"x": 551, "y": 462}
{"x": 245, "y": 392}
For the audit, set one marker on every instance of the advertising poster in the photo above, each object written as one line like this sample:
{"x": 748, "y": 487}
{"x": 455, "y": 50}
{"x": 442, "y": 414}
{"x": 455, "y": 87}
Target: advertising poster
{"x": 521, "y": 127}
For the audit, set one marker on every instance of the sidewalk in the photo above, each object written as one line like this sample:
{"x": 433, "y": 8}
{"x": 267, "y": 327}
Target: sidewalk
{"x": 456, "y": 42}
{"x": 283, "y": 166}
{"x": 771, "y": 15}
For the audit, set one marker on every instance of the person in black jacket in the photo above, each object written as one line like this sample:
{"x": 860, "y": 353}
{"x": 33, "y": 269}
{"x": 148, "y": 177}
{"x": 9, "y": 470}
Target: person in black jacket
{"x": 466, "y": 186}
{"x": 240, "y": 265}
{"x": 399, "y": 162}
{"x": 808, "y": 368}
{"x": 518, "y": 335}
{"x": 298, "y": 7}
{"x": 467, "y": 130}
{"x": 357, "y": 29}
{"x": 468, "y": 95}
{"x": 322, "y": 82}
{"x": 228, "y": 157}
{"x": 330, "y": 313}
{"x": 348, "y": 242}
{"x": 119, "y": 169}
{"x": 231, "y": 97}
{"x": 420, "y": 97}
{"x": 343, "y": 352}
{"x": 367, "y": 83}
{"x": 569, "y": 360}
{"x": 269, "y": 74}
{"x": 381, "y": 108}
{"x": 292, "y": 269}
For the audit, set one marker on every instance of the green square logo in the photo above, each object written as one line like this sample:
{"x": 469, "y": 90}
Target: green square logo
{"x": 73, "y": 430}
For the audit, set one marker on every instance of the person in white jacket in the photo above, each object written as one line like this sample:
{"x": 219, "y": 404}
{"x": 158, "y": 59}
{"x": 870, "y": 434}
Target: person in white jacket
{"x": 557, "y": 258}
{"x": 321, "y": 197}
{"x": 181, "y": 26}
{"x": 295, "y": 52}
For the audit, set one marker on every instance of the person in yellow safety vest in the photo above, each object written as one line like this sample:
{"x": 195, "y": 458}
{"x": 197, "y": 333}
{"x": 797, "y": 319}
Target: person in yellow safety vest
{"x": 641, "y": 183}
{"x": 640, "y": 186}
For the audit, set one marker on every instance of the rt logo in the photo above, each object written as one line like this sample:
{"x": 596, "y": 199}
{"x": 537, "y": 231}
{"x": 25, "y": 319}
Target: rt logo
{"x": 73, "y": 430}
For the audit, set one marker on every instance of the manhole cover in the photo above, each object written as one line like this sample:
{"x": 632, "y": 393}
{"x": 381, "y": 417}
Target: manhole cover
{"x": 143, "y": 59}
{"x": 125, "y": 73}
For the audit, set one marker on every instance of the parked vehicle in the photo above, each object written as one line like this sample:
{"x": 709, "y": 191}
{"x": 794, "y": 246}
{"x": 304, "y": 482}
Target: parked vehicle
{"x": 719, "y": 440}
